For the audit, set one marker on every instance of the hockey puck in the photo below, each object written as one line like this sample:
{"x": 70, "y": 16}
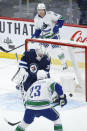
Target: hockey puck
{"x": 70, "y": 94}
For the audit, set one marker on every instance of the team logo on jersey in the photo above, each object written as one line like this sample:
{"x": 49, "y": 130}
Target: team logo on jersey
{"x": 33, "y": 68}
{"x": 46, "y": 27}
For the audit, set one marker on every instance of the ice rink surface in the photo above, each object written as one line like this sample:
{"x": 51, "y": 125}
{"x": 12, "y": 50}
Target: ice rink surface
{"x": 73, "y": 115}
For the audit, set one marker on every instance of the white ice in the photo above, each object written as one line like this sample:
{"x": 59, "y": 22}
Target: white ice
{"x": 73, "y": 115}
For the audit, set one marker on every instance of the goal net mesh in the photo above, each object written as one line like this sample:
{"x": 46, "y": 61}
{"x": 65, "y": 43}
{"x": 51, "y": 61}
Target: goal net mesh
{"x": 68, "y": 64}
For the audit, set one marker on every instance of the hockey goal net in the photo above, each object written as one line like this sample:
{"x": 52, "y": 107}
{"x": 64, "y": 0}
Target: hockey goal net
{"x": 68, "y": 63}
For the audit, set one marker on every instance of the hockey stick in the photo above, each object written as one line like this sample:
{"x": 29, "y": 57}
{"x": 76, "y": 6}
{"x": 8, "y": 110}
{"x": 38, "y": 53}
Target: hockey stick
{"x": 10, "y": 123}
{"x": 49, "y": 36}
{"x": 7, "y": 51}
{"x": 15, "y": 123}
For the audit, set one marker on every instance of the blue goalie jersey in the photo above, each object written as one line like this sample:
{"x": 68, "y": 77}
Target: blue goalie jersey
{"x": 30, "y": 62}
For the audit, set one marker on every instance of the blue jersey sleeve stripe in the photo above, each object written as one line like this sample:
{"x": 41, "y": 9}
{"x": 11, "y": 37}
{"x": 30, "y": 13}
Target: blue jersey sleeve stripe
{"x": 58, "y": 89}
{"x": 23, "y": 62}
{"x": 23, "y": 66}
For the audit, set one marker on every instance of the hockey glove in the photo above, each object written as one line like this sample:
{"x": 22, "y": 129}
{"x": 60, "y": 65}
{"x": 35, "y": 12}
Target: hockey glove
{"x": 63, "y": 100}
{"x": 56, "y": 29}
{"x": 57, "y": 101}
{"x": 55, "y": 98}
{"x": 36, "y": 34}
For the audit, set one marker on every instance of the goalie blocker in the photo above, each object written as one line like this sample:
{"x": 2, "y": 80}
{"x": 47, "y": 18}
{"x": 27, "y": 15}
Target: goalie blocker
{"x": 20, "y": 76}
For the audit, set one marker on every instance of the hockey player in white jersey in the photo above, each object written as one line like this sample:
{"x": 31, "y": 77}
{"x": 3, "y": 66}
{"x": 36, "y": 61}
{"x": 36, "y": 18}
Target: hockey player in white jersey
{"x": 47, "y": 25}
{"x": 38, "y": 102}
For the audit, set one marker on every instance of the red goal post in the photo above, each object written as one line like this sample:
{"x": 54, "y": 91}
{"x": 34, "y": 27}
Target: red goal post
{"x": 63, "y": 43}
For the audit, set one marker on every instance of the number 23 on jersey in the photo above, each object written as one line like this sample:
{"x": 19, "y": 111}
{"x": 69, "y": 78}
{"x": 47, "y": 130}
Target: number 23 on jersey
{"x": 35, "y": 91}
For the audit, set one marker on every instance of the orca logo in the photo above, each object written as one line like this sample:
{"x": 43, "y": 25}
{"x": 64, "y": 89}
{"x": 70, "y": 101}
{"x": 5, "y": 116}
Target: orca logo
{"x": 45, "y": 25}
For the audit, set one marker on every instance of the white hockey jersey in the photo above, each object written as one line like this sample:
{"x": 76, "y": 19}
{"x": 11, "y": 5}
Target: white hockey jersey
{"x": 39, "y": 95}
{"x": 46, "y": 23}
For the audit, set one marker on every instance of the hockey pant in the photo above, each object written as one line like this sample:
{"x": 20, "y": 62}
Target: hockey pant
{"x": 49, "y": 113}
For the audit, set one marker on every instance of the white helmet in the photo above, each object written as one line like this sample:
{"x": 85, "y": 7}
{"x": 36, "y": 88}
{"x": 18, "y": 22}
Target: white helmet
{"x": 41, "y": 74}
{"x": 41, "y": 6}
{"x": 40, "y": 53}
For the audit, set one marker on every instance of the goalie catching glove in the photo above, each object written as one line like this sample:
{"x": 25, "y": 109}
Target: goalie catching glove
{"x": 61, "y": 100}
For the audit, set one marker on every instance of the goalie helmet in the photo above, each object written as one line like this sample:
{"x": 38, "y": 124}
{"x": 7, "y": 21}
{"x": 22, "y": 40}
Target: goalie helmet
{"x": 40, "y": 53}
{"x": 41, "y": 6}
{"x": 41, "y": 74}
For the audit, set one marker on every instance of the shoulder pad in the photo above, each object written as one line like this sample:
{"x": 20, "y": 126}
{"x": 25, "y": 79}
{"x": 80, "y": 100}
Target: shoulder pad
{"x": 32, "y": 51}
{"x": 36, "y": 17}
{"x": 49, "y": 12}
{"x": 24, "y": 53}
{"x": 48, "y": 57}
{"x": 29, "y": 52}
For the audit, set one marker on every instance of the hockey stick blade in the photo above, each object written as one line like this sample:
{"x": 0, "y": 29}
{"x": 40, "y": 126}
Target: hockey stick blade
{"x": 7, "y": 51}
{"x": 1, "y": 48}
{"x": 10, "y": 123}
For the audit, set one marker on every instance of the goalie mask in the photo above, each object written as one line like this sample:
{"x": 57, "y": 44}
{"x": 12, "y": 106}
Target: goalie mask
{"x": 40, "y": 53}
